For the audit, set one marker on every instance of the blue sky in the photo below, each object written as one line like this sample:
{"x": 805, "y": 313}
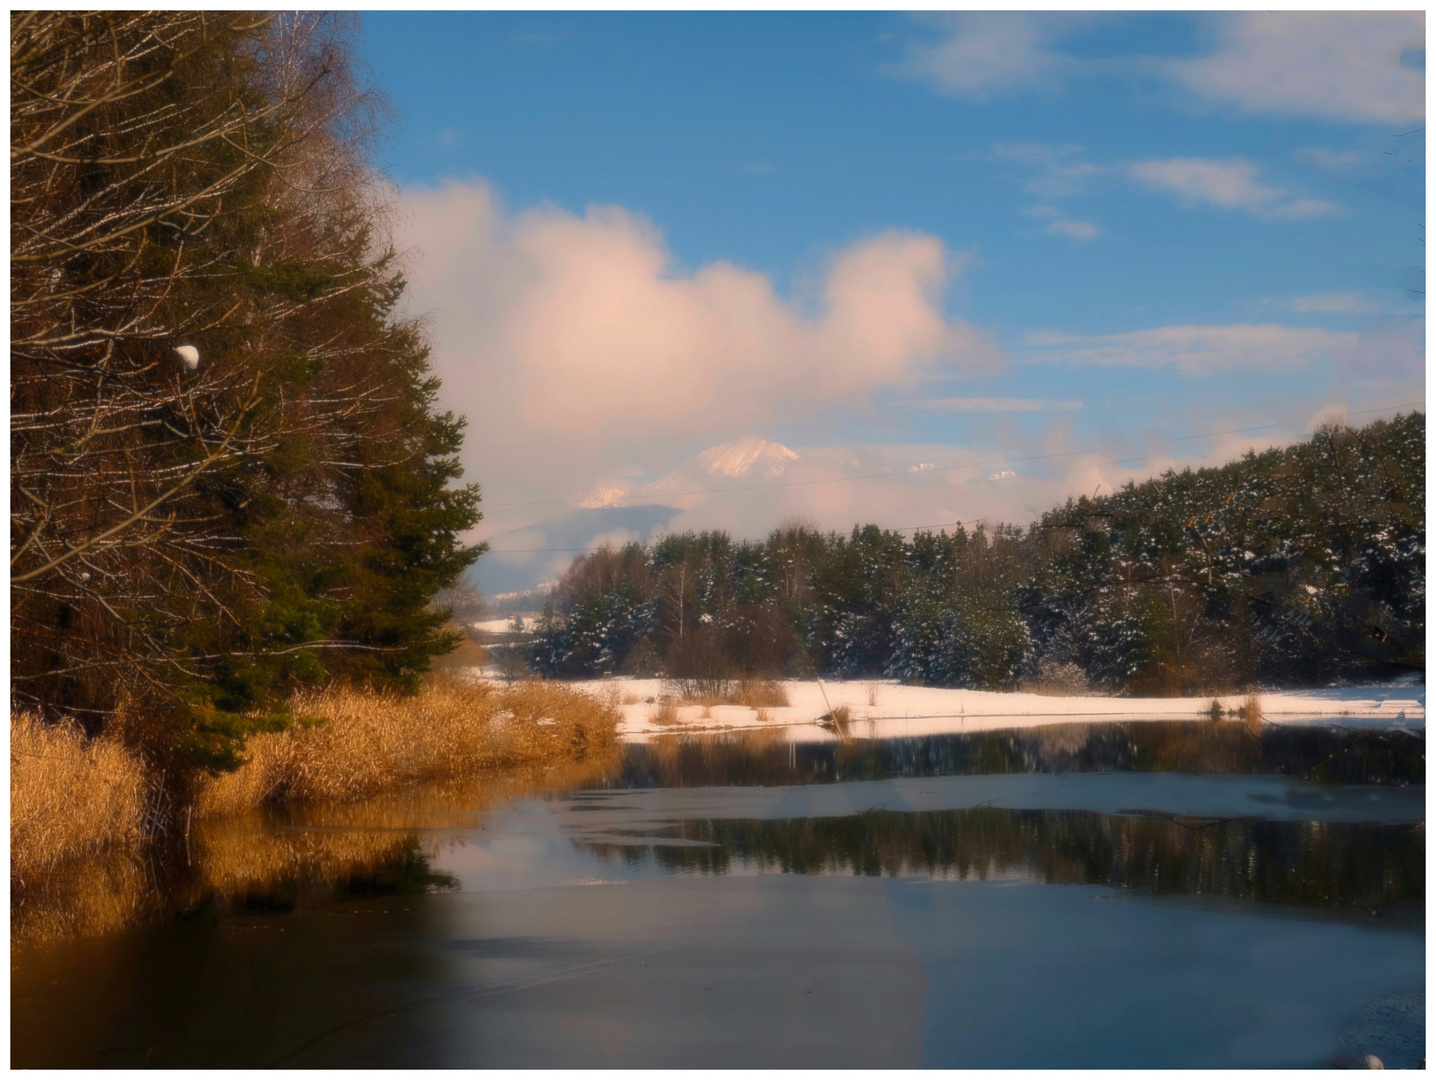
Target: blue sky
{"x": 1045, "y": 233}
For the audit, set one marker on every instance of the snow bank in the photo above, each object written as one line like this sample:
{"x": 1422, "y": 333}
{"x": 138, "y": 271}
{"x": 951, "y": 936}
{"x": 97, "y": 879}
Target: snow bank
{"x": 888, "y": 710}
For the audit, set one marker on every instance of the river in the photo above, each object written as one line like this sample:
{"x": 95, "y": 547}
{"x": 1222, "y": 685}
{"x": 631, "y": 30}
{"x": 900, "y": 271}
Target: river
{"x": 1105, "y": 895}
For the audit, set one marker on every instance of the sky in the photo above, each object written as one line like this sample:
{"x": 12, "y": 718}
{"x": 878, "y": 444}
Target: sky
{"x": 910, "y": 270}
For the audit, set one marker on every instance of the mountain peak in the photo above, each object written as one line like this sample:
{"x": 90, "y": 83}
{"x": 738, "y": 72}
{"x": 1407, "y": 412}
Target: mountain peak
{"x": 750, "y": 455}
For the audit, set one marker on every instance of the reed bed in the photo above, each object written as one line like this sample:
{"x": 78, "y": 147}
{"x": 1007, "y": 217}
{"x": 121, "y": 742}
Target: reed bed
{"x": 69, "y": 796}
{"x": 356, "y": 744}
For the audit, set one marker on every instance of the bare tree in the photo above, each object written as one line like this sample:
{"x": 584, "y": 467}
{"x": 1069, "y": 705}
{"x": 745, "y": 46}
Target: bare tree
{"x": 178, "y": 179}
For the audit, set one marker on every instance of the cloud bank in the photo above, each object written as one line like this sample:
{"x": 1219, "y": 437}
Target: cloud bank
{"x": 547, "y": 321}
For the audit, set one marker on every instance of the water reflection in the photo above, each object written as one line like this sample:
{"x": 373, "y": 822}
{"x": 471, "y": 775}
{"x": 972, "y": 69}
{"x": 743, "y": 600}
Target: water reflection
{"x": 1323, "y": 753}
{"x": 308, "y": 852}
{"x": 855, "y": 904}
{"x": 279, "y": 857}
{"x": 1344, "y": 867}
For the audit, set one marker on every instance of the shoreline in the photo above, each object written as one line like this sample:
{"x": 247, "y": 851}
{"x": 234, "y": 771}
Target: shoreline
{"x": 886, "y": 709}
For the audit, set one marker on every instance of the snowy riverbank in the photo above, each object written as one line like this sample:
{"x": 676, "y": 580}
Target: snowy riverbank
{"x": 884, "y": 709}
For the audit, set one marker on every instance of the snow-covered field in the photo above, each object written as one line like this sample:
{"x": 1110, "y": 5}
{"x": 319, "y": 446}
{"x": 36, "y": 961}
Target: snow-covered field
{"x": 884, "y": 709}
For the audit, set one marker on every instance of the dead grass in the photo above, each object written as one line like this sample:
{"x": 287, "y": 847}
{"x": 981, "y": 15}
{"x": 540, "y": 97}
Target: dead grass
{"x": 665, "y": 715}
{"x": 365, "y": 743}
{"x": 751, "y": 693}
{"x": 1250, "y": 712}
{"x": 839, "y": 720}
{"x": 764, "y": 716}
{"x": 321, "y": 844}
{"x": 69, "y": 796}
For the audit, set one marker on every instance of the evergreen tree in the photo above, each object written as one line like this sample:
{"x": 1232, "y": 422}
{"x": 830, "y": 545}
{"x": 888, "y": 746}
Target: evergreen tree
{"x": 202, "y": 539}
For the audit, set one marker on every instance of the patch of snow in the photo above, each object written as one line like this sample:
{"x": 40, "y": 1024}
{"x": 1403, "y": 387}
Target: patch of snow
{"x": 505, "y": 625}
{"x": 916, "y": 710}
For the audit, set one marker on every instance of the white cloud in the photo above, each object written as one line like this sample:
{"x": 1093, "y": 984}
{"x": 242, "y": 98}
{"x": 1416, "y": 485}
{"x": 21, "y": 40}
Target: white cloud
{"x": 589, "y": 327}
{"x": 1330, "y": 64}
{"x": 1328, "y": 160}
{"x": 1075, "y": 230}
{"x": 552, "y": 328}
{"x": 993, "y": 404}
{"x": 1232, "y": 185}
{"x": 1059, "y": 172}
{"x": 1195, "y": 350}
{"x": 985, "y": 52}
{"x": 1301, "y": 209}
{"x": 1344, "y": 66}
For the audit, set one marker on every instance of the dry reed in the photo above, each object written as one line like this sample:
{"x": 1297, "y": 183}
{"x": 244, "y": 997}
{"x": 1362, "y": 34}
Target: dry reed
{"x": 1250, "y": 712}
{"x": 365, "y": 743}
{"x": 752, "y": 693}
{"x": 664, "y": 715}
{"x": 840, "y": 720}
{"x": 69, "y": 796}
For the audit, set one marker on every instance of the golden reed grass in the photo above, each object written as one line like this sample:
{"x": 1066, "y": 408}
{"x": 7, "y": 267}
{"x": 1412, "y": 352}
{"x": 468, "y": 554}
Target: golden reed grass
{"x": 368, "y": 775}
{"x": 321, "y": 844}
{"x": 364, "y": 743}
{"x": 69, "y": 796}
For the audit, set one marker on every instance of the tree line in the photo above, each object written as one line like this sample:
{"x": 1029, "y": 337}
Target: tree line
{"x": 1288, "y": 567}
{"x": 228, "y": 474}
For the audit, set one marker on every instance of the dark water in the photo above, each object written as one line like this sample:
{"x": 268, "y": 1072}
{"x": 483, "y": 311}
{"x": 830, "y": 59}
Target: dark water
{"x": 1107, "y": 895}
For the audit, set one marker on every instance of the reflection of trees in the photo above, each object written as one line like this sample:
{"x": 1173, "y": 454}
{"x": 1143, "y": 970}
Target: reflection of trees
{"x": 280, "y": 859}
{"x": 1317, "y": 753}
{"x": 1306, "y": 864}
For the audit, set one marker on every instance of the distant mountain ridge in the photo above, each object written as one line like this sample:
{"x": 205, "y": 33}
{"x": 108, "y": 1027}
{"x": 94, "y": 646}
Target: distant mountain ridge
{"x": 527, "y": 569}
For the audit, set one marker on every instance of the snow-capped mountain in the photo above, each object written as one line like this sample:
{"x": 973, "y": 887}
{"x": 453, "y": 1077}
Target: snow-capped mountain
{"x": 748, "y": 456}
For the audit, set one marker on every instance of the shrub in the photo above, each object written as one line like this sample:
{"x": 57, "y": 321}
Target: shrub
{"x": 69, "y": 795}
